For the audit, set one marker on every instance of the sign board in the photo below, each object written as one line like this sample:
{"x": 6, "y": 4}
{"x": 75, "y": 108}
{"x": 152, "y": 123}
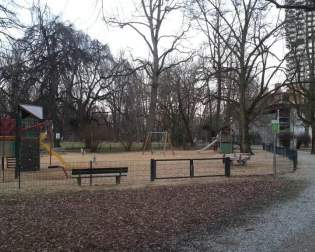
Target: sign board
{"x": 58, "y": 136}
{"x": 275, "y": 126}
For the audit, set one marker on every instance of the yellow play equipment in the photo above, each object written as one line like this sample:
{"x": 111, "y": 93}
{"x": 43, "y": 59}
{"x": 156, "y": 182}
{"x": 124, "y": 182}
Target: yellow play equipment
{"x": 51, "y": 152}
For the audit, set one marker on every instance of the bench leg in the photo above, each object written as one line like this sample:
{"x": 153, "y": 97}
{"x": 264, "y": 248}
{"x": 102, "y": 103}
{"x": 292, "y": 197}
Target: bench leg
{"x": 118, "y": 180}
{"x": 79, "y": 180}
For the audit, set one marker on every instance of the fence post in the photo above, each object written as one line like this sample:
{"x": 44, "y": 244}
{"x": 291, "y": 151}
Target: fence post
{"x": 2, "y": 167}
{"x": 191, "y": 167}
{"x": 153, "y": 169}
{"x": 295, "y": 160}
{"x": 91, "y": 166}
{"x": 227, "y": 167}
{"x": 18, "y": 126}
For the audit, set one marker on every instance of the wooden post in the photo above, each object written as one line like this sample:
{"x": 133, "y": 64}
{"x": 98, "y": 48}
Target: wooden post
{"x": 118, "y": 180}
{"x": 91, "y": 164}
{"x": 2, "y": 167}
{"x": 79, "y": 180}
{"x": 192, "y": 169}
{"x": 18, "y": 146}
{"x": 227, "y": 167}
{"x": 153, "y": 169}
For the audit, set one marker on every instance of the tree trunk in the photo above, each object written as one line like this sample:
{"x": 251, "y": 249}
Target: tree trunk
{"x": 187, "y": 128}
{"x": 87, "y": 142}
{"x": 210, "y": 131}
{"x": 116, "y": 125}
{"x": 244, "y": 134}
{"x": 218, "y": 75}
{"x": 152, "y": 109}
{"x": 184, "y": 117}
{"x": 154, "y": 87}
{"x": 154, "y": 82}
{"x": 218, "y": 112}
{"x": 313, "y": 139}
{"x": 244, "y": 124}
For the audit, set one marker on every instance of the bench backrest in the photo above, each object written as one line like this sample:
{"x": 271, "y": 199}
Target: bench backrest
{"x": 11, "y": 162}
{"x": 89, "y": 171}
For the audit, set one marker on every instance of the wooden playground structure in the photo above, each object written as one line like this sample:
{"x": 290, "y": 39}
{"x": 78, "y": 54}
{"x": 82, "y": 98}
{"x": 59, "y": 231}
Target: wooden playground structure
{"x": 21, "y": 140}
{"x": 224, "y": 143}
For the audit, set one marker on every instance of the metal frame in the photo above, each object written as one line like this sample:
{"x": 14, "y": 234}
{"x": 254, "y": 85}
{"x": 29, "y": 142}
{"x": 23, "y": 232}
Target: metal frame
{"x": 165, "y": 141}
{"x": 153, "y": 167}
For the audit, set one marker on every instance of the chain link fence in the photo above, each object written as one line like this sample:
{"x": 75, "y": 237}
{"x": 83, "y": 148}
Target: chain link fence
{"x": 286, "y": 159}
{"x": 51, "y": 176}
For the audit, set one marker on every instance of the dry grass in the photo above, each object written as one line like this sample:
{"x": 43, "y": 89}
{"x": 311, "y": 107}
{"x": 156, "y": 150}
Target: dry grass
{"x": 139, "y": 169}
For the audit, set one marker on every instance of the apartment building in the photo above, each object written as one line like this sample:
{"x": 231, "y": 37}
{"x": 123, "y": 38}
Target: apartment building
{"x": 300, "y": 40}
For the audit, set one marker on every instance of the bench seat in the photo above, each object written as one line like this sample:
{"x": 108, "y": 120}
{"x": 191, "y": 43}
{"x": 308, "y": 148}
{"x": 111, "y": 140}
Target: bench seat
{"x": 117, "y": 172}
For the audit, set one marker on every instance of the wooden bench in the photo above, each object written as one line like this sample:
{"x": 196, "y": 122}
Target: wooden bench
{"x": 117, "y": 172}
{"x": 11, "y": 162}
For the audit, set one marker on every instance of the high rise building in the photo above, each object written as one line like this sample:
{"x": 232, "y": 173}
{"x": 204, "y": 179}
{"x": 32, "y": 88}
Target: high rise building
{"x": 300, "y": 38}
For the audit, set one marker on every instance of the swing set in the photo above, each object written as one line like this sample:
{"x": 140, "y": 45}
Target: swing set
{"x": 157, "y": 140}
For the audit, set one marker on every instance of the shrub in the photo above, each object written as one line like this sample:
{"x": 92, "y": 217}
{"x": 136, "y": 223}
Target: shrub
{"x": 303, "y": 139}
{"x": 255, "y": 138}
{"x": 285, "y": 138}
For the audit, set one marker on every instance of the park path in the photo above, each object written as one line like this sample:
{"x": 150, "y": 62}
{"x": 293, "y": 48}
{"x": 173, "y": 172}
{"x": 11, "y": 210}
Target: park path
{"x": 286, "y": 226}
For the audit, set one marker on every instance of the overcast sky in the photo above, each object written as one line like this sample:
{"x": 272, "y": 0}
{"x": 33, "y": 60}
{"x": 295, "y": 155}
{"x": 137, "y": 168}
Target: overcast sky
{"x": 86, "y": 15}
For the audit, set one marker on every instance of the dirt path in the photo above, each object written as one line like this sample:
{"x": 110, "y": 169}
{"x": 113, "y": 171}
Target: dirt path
{"x": 286, "y": 226}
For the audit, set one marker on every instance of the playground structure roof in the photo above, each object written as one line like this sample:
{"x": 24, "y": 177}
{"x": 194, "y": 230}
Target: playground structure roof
{"x": 36, "y": 111}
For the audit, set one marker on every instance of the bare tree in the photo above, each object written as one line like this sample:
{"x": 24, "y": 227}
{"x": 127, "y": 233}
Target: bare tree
{"x": 62, "y": 69}
{"x": 188, "y": 97}
{"x": 86, "y": 85}
{"x": 250, "y": 41}
{"x": 148, "y": 23}
{"x": 216, "y": 54}
{"x": 181, "y": 96}
{"x": 45, "y": 49}
{"x": 126, "y": 102}
{"x": 308, "y": 5}
{"x": 8, "y": 19}
{"x": 8, "y": 22}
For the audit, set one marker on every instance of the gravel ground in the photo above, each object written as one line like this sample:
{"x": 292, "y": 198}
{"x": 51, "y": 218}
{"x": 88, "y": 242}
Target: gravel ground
{"x": 286, "y": 226}
{"x": 127, "y": 220}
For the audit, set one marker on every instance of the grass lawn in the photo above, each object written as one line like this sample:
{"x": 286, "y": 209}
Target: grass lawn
{"x": 102, "y": 147}
{"x": 108, "y": 146}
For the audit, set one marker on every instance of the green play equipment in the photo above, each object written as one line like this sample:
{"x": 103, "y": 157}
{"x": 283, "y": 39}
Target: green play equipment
{"x": 27, "y": 148}
{"x": 226, "y": 140}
